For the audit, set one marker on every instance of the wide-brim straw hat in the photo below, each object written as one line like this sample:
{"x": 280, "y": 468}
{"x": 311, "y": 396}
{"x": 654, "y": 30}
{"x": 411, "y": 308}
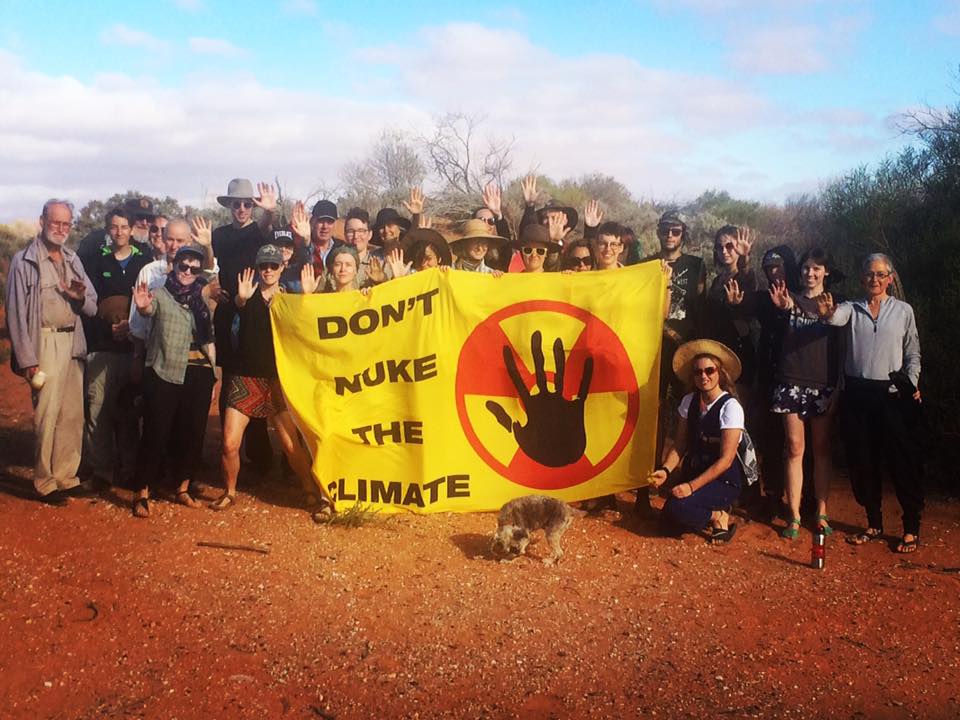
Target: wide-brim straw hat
{"x": 683, "y": 358}
{"x": 476, "y": 229}
{"x": 237, "y": 189}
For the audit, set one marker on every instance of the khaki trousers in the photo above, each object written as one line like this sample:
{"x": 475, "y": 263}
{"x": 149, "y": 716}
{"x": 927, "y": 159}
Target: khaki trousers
{"x": 58, "y": 415}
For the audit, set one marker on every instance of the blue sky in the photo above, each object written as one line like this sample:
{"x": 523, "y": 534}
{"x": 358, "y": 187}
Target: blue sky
{"x": 764, "y": 99}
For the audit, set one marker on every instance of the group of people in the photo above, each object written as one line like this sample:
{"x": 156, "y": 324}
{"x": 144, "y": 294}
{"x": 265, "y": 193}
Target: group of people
{"x": 123, "y": 341}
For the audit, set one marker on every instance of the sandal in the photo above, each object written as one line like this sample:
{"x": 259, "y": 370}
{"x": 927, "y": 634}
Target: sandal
{"x": 905, "y": 547}
{"x": 185, "y": 498}
{"x": 865, "y": 537}
{"x": 323, "y": 514}
{"x": 224, "y": 502}
{"x": 141, "y": 507}
{"x": 823, "y": 522}
{"x": 791, "y": 531}
{"x": 719, "y": 537}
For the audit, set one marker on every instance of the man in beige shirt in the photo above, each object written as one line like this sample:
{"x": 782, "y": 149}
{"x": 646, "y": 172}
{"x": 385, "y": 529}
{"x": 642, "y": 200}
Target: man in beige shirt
{"x": 47, "y": 291}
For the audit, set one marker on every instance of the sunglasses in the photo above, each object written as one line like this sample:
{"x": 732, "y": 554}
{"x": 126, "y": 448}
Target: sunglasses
{"x": 729, "y": 247}
{"x": 245, "y": 204}
{"x": 191, "y": 269}
{"x": 532, "y": 250}
{"x": 269, "y": 266}
{"x": 671, "y": 231}
{"x": 489, "y": 221}
{"x": 876, "y": 275}
{"x": 707, "y": 371}
{"x": 154, "y": 229}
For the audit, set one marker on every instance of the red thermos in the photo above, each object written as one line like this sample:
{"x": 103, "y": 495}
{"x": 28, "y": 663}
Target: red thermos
{"x": 818, "y": 553}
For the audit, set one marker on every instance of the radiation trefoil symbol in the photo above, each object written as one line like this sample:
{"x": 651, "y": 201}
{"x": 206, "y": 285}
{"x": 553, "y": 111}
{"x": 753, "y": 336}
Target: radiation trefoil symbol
{"x": 546, "y": 420}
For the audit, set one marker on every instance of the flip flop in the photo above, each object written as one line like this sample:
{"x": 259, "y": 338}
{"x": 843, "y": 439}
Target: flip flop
{"x": 791, "y": 531}
{"x": 720, "y": 537}
{"x": 905, "y": 547}
{"x": 141, "y": 507}
{"x": 823, "y": 521}
{"x": 866, "y": 536}
{"x": 224, "y": 502}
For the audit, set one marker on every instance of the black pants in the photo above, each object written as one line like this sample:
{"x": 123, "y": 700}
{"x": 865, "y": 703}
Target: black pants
{"x": 877, "y": 437}
{"x": 173, "y": 416}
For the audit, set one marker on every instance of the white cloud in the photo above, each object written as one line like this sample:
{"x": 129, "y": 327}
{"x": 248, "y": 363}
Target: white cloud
{"x": 300, "y": 7}
{"x": 664, "y": 133}
{"x": 948, "y": 22}
{"x": 215, "y": 46}
{"x": 120, "y": 34}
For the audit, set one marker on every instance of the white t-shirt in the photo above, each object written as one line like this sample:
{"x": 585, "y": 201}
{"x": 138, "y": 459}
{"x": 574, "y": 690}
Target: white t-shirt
{"x": 731, "y": 414}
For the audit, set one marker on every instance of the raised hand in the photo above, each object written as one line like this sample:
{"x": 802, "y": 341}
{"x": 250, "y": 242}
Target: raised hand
{"x": 376, "y": 273}
{"x": 825, "y": 305}
{"x": 414, "y": 205}
{"x": 201, "y": 231}
{"x": 75, "y": 289}
{"x": 556, "y": 223}
{"x": 780, "y": 295}
{"x": 667, "y": 270}
{"x": 744, "y": 241}
{"x": 142, "y": 298}
{"x": 308, "y": 279}
{"x": 426, "y": 222}
{"x": 299, "y": 222}
{"x": 245, "y": 284}
{"x": 733, "y": 291}
{"x": 395, "y": 261}
{"x": 554, "y": 435}
{"x": 268, "y": 197}
{"x": 492, "y": 199}
{"x": 529, "y": 187}
{"x": 592, "y": 214}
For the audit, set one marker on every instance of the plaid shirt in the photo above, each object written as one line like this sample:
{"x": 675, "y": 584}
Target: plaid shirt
{"x": 172, "y": 333}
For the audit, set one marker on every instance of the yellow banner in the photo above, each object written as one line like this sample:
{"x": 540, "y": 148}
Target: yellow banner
{"x": 456, "y": 391}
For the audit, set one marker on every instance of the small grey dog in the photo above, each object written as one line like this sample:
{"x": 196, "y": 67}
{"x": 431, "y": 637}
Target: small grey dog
{"x": 524, "y": 515}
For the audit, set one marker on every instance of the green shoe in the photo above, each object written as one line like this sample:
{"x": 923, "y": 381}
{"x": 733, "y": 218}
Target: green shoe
{"x": 791, "y": 531}
{"x": 823, "y": 521}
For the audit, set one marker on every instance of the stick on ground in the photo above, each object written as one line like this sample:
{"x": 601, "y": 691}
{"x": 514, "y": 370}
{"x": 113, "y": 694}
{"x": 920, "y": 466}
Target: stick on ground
{"x": 232, "y": 546}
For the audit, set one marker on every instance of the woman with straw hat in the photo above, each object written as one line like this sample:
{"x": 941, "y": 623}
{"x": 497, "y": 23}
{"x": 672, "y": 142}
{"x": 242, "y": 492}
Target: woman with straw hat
{"x": 707, "y": 437}
{"x": 471, "y": 249}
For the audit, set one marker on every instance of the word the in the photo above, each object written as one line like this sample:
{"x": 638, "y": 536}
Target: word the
{"x": 407, "y": 431}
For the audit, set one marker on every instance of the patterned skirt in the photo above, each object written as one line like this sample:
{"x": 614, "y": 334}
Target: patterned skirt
{"x": 805, "y": 401}
{"x": 255, "y": 397}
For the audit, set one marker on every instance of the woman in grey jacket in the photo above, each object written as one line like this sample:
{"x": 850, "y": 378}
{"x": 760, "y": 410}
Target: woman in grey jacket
{"x": 881, "y": 376}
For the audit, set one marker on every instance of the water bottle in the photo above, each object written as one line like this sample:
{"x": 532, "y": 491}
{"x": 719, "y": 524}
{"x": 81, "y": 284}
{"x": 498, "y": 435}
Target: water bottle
{"x": 818, "y": 552}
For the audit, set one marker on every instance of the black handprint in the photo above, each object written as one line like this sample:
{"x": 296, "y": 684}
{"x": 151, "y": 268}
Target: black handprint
{"x": 554, "y": 434}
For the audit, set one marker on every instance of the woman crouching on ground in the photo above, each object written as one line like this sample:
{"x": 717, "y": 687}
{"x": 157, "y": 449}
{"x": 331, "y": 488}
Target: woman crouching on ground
{"x": 707, "y": 437}
{"x": 255, "y": 391}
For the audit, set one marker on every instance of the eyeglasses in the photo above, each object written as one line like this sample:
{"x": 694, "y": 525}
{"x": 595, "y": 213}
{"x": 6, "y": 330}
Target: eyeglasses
{"x": 670, "y": 231}
{"x": 190, "y": 269}
{"x": 58, "y": 225}
{"x": 729, "y": 247}
{"x": 707, "y": 371}
{"x": 609, "y": 244}
{"x": 269, "y": 266}
{"x": 154, "y": 230}
{"x": 355, "y": 233}
{"x": 526, "y": 250}
{"x": 489, "y": 221}
{"x": 245, "y": 204}
{"x": 876, "y": 275}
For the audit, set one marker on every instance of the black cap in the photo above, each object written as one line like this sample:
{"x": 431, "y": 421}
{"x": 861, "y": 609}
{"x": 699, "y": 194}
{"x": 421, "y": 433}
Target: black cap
{"x": 324, "y": 209}
{"x": 139, "y": 207}
{"x": 389, "y": 216}
{"x": 283, "y": 236}
{"x": 192, "y": 250}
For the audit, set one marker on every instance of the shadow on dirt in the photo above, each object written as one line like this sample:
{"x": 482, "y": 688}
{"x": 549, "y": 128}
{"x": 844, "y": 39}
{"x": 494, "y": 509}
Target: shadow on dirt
{"x": 474, "y": 546}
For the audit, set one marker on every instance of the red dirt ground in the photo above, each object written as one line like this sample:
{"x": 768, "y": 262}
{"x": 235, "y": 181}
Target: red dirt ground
{"x": 106, "y": 616}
